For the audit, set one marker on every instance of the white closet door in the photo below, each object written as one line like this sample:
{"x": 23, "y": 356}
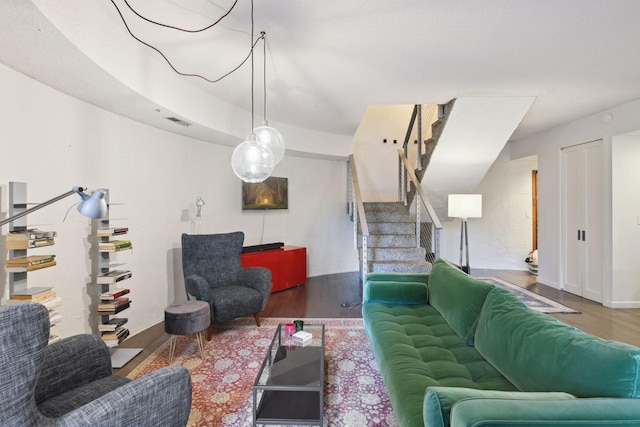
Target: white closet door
{"x": 594, "y": 223}
{"x": 583, "y": 220}
{"x": 573, "y": 209}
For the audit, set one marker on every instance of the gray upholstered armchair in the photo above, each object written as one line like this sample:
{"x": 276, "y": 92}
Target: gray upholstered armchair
{"x": 70, "y": 382}
{"x": 213, "y": 273}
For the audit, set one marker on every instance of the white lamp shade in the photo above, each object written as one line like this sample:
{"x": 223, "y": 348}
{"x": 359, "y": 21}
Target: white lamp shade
{"x": 252, "y": 162}
{"x": 272, "y": 139}
{"x": 94, "y": 206}
{"x": 465, "y": 205}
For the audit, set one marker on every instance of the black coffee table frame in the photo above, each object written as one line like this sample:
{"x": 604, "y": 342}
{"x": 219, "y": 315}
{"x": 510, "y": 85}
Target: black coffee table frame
{"x": 289, "y": 388}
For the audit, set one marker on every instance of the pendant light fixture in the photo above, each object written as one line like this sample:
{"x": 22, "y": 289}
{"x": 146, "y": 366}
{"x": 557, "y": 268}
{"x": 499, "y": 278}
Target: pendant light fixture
{"x": 252, "y": 161}
{"x": 265, "y": 134}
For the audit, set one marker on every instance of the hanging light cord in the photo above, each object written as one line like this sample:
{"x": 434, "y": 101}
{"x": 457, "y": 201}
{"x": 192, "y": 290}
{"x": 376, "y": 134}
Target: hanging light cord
{"x": 253, "y": 44}
{"x": 264, "y": 76}
{"x": 178, "y": 28}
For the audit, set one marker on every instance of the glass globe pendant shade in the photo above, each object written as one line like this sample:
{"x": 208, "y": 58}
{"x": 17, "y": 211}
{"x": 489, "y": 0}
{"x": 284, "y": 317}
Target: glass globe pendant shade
{"x": 271, "y": 138}
{"x": 251, "y": 161}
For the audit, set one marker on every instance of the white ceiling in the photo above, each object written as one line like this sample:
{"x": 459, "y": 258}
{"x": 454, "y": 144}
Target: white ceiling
{"x": 328, "y": 60}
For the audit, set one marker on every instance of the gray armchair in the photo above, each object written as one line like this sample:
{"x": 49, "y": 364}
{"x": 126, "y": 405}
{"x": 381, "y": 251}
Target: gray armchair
{"x": 213, "y": 273}
{"x": 70, "y": 382}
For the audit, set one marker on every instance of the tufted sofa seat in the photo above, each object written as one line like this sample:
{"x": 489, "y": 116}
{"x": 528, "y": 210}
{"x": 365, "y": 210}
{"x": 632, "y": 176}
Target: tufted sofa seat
{"x": 458, "y": 351}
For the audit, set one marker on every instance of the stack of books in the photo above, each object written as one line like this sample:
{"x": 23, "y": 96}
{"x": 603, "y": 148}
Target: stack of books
{"x": 113, "y": 277}
{"x": 113, "y": 294}
{"x": 114, "y": 245}
{"x": 43, "y": 295}
{"x": 28, "y": 239}
{"x": 29, "y": 263}
{"x": 112, "y": 324}
{"x": 108, "y": 308}
{"x": 106, "y": 232}
{"x": 114, "y": 338}
{"x": 35, "y": 294}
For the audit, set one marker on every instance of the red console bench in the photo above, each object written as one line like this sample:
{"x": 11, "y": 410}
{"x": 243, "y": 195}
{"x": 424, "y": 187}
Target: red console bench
{"x": 288, "y": 265}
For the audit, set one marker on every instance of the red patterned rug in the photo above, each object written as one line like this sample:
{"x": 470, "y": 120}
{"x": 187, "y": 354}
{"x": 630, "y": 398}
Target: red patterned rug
{"x": 222, "y": 384}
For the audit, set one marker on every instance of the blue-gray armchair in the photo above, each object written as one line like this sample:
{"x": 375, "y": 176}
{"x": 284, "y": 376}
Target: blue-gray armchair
{"x": 213, "y": 273}
{"x": 70, "y": 382}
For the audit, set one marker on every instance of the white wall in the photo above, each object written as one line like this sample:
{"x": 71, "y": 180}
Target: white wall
{"x": 502, "y": 238}
{"x": 54, "y": 142}
{"x": 625, "y": 208}
{"x": 619, "y": 120}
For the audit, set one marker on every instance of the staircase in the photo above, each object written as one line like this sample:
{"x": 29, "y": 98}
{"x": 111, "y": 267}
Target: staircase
{"x": 392, "y": 240}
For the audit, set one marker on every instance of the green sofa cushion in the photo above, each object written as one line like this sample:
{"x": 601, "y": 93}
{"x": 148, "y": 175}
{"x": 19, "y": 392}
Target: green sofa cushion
{"x": 536, "y": 413}
{"x": 439, "y": 400}
{"x": 415, "y": 348}
{"x": 539, "y": 353}
{"x": 457, "y": 297}
{"x": 396, "y": 292}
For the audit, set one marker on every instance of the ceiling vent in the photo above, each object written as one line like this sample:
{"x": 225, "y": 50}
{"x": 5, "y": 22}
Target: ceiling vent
{"x": 179, "y": 121}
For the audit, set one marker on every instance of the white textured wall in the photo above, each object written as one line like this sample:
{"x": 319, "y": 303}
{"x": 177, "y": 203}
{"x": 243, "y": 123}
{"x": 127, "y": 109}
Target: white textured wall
{"x": 625, "y": 208}
{"x": 54, "y": 142}
{"x": 604, "y": 125}
{"x": 502, "y": 238}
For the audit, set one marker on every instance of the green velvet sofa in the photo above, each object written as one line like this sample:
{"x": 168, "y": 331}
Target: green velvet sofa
{"x": 458, "y": 351}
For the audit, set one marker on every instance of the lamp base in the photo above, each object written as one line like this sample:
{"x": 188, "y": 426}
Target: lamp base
{"x": 464, "y": 268}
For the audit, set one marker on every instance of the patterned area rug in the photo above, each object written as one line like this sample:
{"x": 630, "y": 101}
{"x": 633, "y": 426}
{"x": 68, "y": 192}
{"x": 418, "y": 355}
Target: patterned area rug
{"x": 531, "y": 299}
{"x": 222, "y": 384}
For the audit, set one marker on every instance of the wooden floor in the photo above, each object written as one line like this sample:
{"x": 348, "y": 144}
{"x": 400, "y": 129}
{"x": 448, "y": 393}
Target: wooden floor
{"x": 339, "y": 295}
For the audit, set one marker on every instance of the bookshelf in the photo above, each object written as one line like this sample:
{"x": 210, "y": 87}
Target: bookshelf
{"x": 113, "y": 285}
{"x": 19, "y": 264}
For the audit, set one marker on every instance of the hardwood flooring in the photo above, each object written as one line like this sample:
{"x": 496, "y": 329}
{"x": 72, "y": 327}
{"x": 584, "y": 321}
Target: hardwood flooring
{"x": 339, "y": 295}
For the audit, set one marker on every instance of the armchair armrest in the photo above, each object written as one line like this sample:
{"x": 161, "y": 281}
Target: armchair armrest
{"x": 72, "y": 362}
{"x": 160, "y": 398}
{"x": 258, "y": 278}
{"x": 197, "y": 286}
{"x": 499, "y": 412}
{"x": 393, "y": 292}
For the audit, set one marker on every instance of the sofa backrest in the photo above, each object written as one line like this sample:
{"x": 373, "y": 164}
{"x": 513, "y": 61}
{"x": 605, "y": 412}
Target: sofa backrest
{"x": 457, "y": 297}
{"x": 539, "y": 353}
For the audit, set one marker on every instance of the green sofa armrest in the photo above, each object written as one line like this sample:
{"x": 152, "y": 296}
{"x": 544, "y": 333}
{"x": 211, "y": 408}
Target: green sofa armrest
{"x": 438, "y": 401}
{"x": 609, "y": 412}
{"x": 405, "y": 293}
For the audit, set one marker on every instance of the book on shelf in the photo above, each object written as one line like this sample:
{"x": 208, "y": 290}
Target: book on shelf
{"x": 114, "y": 310}
{"x": 112, "y": 335}
{"x": 29, "y": 244}
{"x": 118, "y": 340}
{"x": 106, "y": 232}
{"x": 113, "y": 277}
{"x": 52, "y": 303}
{"x": 114, "y": 304}
{"x": 35, "y": 294}
{"x": 30, "y": 267}
{"x": 114, "y": 245}
{"x": 30, "y": 234}
{"x": 54, "y": 318}
{"x": 24, "y": 261}
{"x": 113, "y": 294}
{"x": 54, "y": 338}
{"x": 112, "y": 324}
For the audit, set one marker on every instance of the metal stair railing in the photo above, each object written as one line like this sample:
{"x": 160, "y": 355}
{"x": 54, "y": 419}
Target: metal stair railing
{"x": 356, "y": 210}
{"x": 427, "y": 232}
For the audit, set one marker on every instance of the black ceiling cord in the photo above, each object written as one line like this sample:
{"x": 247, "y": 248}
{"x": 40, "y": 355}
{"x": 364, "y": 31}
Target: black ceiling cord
{"x": 178, "y": 28}
{"x": 254, "y": 43}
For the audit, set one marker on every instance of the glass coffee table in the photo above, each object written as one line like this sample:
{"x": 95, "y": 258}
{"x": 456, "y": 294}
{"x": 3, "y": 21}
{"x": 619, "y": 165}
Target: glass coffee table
{"x": 289, "y": 389}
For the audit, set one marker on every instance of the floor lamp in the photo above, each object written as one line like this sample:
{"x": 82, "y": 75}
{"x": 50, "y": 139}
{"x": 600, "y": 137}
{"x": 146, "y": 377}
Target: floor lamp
{"x": 465, "y": 206}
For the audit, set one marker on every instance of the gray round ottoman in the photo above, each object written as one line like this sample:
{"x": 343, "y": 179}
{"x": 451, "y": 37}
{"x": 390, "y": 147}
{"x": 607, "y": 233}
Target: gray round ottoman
{"x": 191, "y": 317}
